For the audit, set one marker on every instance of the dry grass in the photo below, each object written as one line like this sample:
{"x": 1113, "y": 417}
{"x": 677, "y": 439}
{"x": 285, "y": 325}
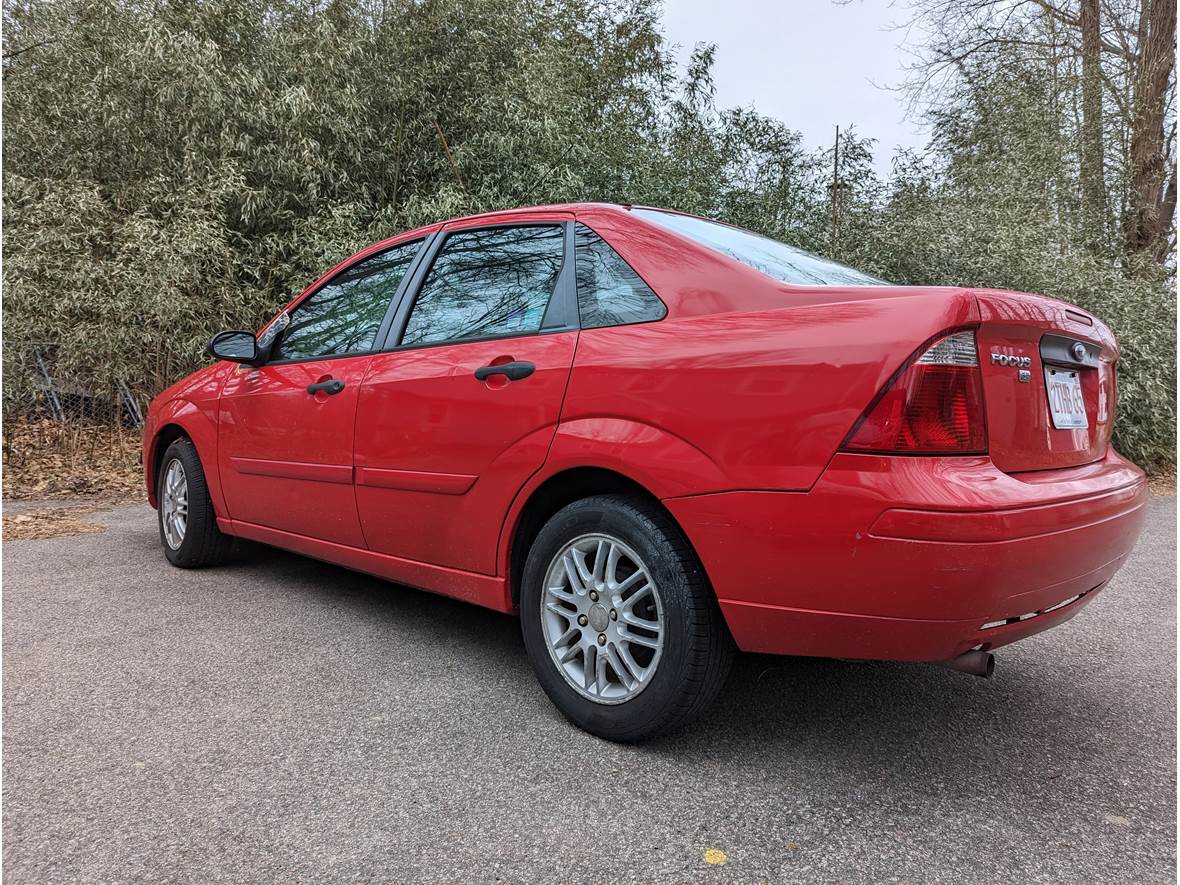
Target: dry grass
{"x": 50, "y": 459}
{"x": 55, "y": 522}
{"x": 1162, "y": 484}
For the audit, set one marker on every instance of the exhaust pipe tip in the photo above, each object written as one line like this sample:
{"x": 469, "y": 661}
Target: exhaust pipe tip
{"x": 977, "y": 663}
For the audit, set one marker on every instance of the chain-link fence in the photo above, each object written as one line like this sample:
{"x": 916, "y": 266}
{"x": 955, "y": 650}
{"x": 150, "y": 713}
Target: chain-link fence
{"x": 36, "y": 387}
{"x": 64, "y": 434}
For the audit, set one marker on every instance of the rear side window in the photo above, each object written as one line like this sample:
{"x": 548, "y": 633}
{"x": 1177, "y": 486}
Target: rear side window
{"x": 343, "y": 316}
{"x": 778, "y": 260}
{"x": 487, "y": 283}
{"x": 610, "y": 293}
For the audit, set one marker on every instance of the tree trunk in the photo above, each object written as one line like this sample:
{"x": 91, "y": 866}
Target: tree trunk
{"x": 1093, "y": 162}
{"x": 1147, "y": 224}
{"x": 1163, "y": 244}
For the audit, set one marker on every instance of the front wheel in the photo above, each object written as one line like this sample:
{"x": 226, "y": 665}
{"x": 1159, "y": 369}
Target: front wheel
{"x": 619, "y": 621}
{"x": 188, "y": 525}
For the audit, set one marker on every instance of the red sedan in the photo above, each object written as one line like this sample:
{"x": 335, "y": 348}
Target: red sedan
{"x": 655, "y": 437}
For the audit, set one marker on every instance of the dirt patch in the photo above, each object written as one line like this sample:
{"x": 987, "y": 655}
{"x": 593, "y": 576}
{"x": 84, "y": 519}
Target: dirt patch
{"x": 51, "y": 459}
{"x": 1162, "y": 484}
{"x": 52, "y": 522}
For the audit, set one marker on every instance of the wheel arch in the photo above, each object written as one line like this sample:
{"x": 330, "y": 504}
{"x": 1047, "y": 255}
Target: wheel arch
{"x": 552, "y": 494}
{"x": 168, "y": 433}
{"x": 184, "y": 419}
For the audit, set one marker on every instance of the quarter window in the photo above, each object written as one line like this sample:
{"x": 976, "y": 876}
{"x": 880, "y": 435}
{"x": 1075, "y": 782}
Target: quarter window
{"x": 487, "y": 283}
{"x": 344, "y": 315}
{"x": 610, "y": 293}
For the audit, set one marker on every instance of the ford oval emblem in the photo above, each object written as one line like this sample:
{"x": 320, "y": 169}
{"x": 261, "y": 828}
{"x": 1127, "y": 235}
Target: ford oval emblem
{"x": 1079, "y": 351}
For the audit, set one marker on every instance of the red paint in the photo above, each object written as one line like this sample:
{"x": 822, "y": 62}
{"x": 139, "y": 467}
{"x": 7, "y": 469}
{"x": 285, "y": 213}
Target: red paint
{"x": 284, "y": 455}
{"x": 415, "y": 480}
{"x": 986, "y": 526}
{"x": 1021, "y": 435}
{"x": 732, "y": 410}
{"x": 341, "y": 473}
{"x": 423, "y": 411}
{"x": 1029, "y": 542}
{"x": 190, "y": 407}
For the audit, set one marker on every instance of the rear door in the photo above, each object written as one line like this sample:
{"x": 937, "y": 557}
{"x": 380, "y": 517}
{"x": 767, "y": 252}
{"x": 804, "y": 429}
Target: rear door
{"x": 461, "y": 410}
{"x": 286, "y": 428}
{"x": 1049, "y": 382}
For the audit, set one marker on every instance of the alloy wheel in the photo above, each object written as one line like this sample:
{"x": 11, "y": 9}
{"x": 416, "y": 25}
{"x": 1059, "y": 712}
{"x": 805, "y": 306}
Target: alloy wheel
{"x": 602, "y": 618}
{"x": 174, "y": 504}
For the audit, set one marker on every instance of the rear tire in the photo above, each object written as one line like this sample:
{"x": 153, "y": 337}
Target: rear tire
{"x": 188, "y": 525}
{"x": 667, "y": 650}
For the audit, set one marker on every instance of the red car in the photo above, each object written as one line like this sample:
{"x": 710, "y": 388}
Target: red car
{"x": 656, "y": 437}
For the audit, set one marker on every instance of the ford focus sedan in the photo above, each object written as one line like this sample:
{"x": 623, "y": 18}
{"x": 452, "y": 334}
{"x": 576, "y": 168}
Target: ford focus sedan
{"x": 658, "y": 438}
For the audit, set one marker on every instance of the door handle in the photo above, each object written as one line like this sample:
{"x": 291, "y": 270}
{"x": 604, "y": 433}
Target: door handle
{"x": 330, "y": 387}
{"x": 513, "y": 371}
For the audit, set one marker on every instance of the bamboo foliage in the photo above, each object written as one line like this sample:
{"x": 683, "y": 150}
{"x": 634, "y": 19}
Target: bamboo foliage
{"x": 174, "y": 168}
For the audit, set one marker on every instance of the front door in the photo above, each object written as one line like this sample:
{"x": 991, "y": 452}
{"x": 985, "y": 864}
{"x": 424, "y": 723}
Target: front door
{"x": 286, "y": 428}
{"x": 454, "y": 419}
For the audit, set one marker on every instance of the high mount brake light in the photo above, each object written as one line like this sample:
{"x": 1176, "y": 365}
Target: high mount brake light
{"x": 934, "y": 406}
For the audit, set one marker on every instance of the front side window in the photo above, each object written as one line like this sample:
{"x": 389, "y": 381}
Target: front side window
{"x": 344, "y": 315}
{"x": 487, "y": 283}
{"x": 610, "y": 293}
{"x": 778, "y": 260}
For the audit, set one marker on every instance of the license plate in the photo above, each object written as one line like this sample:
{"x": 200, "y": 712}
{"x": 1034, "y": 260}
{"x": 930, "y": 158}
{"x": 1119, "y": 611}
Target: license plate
{"x": 1065, "y": 399}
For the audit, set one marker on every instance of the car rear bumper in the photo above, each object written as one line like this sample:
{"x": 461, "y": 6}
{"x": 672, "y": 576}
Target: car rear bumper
{"x": 908, "y": 558}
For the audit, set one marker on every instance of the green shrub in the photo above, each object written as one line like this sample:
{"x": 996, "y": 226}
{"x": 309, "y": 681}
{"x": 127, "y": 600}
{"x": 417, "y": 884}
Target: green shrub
{"x": 175, "y": 169}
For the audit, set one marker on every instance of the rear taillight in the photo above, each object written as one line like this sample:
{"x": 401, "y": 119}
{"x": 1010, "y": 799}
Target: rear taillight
{"x": 933, "y": 406}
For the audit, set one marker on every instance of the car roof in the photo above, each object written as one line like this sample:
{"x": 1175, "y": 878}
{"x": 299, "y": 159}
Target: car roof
{"x": 505, "y": 214}
{"x": 548, "y": 207}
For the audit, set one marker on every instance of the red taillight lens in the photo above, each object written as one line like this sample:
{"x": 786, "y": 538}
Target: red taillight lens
{"x": 933, "y": 407}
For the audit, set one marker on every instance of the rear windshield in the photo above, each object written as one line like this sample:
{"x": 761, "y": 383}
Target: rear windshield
{"x": 775, "y": 259}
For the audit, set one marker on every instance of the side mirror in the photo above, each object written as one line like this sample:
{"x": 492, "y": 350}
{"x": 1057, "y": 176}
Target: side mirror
{"x": 237, "y": 347}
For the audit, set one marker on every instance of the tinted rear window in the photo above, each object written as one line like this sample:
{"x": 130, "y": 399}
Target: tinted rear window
{"x": 775, "y": 259}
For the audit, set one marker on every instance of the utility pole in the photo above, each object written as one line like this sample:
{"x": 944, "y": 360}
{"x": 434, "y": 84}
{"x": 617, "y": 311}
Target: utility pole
{"x": 1093, "y": 163}
{"x": 835, "y": 192}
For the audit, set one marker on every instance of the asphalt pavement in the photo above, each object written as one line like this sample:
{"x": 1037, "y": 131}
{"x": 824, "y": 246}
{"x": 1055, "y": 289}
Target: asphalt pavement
{"x": 283, "y": 719}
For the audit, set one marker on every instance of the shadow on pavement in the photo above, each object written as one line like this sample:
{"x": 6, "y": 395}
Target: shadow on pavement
{"x": 930, "y": 726}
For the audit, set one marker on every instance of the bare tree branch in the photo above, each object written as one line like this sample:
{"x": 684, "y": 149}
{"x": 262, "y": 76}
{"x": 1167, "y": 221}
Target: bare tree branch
{"x": 25, "y": 49}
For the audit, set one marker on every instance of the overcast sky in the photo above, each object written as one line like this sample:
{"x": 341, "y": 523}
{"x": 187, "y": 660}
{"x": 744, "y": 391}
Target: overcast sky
{"x": 810, "y": 63}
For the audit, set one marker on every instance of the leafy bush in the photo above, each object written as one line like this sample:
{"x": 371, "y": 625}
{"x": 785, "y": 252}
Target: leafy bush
{"x": 175, "y": 169}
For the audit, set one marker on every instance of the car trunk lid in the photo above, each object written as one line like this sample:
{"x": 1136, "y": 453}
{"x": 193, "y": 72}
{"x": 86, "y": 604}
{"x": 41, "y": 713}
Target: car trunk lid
{"x": 1049, "y": 381}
